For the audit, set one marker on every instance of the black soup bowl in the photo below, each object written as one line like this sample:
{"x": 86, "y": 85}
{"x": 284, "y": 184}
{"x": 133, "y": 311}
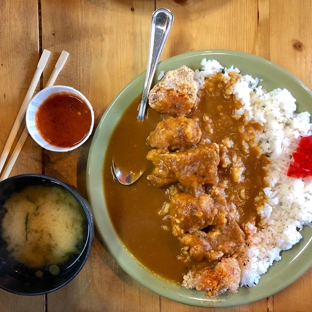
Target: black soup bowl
{"x": 29, "y": 241}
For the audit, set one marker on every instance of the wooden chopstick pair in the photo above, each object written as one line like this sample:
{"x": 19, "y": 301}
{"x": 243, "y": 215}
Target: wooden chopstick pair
{"x": 21, "y": 114}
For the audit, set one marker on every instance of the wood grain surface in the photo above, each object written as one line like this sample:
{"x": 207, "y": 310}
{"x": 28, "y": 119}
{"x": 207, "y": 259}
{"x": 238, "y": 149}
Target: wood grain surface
{"x": 108, "y": 46}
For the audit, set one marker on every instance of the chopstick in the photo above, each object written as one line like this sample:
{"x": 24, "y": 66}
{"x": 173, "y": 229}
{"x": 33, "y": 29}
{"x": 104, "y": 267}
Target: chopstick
{"x": 18, "y": 121}
{"x": 14, "y": 155}
{"x": 58, "y": 67}
{"x": 19, "y": 145}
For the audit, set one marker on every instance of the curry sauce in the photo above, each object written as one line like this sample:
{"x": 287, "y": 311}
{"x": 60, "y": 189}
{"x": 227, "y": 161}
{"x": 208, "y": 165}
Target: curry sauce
{"x": 139, "y": 212}
{"x": 134, "y": 209}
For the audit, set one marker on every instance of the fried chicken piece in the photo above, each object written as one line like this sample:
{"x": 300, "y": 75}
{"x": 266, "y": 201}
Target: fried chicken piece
{"x": 176, "y": 93}
{"x": 189, "y": 214}
{"x": 193, "y": 168}
{"x": 175, "y": 134}
{"x": 224, "y": 238}
{"x": 218, "y": 242}
{"x": 215, "y": 280}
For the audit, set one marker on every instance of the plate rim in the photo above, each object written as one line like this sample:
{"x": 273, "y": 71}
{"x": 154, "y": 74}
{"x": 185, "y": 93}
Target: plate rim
{"x": 148, "y": 281}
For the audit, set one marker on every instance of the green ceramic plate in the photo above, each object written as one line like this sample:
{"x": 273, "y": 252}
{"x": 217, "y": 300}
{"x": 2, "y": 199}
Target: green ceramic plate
{"x": 294, "y": 263}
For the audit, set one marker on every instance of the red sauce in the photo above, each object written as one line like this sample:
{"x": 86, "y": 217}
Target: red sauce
{"x": 301, "y": 166}
{"x": 63, "y": 119}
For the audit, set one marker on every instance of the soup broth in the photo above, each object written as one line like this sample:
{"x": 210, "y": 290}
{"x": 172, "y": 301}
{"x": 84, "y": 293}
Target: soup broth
{"x": 43, "y": 227}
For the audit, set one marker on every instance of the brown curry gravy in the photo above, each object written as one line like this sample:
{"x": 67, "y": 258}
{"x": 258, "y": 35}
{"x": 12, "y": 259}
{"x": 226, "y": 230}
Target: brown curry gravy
{"x": 134, "y": 209}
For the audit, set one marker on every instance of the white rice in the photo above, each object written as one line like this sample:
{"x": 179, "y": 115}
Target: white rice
{"x": 289, "y": 205}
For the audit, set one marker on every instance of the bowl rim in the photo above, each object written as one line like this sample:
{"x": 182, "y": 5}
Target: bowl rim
{"x": 37, "y": 101}
{"x": 84, "y": 254}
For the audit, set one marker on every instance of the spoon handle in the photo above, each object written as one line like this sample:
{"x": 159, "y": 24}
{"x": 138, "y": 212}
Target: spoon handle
{"x": 161, "y": 23}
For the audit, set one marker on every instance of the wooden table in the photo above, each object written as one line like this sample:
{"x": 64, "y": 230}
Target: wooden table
{"x": 108, "y": 44}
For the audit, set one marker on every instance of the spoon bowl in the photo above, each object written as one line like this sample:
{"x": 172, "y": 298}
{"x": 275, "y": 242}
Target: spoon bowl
{"x": 123, "y": 177}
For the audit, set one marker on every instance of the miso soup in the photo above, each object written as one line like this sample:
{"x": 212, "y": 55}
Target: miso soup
{"x": 43, "y": 227}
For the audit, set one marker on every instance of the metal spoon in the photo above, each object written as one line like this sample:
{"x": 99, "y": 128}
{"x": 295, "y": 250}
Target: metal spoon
{"x": 161, "y": 23}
